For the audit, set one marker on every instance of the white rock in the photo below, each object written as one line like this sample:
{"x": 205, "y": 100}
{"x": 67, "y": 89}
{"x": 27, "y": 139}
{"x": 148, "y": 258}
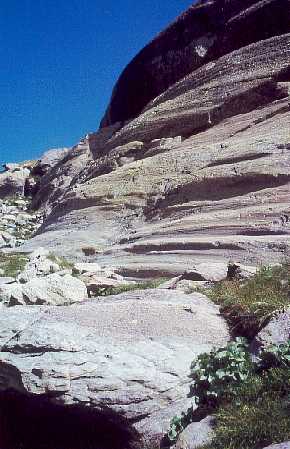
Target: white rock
{"x": 11, "y": 294}
{"x": 81, "y": 268}
{"x": 39, "y": 252}
{"x": 6, "y": 280}
{"x": 196, "y": 434}
{"x": 54, "y": 290}
{"x": 12, "y": 167}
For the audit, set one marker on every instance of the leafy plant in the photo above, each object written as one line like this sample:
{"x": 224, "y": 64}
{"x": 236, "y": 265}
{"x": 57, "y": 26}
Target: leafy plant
{"x": 220, "y": 370}
{"x": 275, "y": 356}
{"x": 178, "y": 424}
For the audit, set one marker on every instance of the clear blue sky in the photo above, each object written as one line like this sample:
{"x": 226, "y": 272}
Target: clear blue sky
{"x": 59, "y": 60}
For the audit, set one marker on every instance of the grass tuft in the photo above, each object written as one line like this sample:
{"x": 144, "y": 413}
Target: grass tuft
{"x": 249, "y": 305}
{"x": 258, "y": 416}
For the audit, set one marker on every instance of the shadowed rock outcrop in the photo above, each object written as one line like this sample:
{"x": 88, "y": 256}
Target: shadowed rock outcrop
{"x": 205, "y": 32}
{"x": 35, "y": 422}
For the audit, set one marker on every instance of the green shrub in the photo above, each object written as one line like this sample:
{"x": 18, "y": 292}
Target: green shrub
{"x": 214, "y": 375}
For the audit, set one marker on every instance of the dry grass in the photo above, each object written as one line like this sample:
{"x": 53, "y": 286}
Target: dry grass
{"x": 250, "y": 304}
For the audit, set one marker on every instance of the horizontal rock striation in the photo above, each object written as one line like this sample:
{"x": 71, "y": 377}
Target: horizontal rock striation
{"x": 203, "y": 172}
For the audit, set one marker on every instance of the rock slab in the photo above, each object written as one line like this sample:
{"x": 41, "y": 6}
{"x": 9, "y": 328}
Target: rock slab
{"x": 131, "y": 352}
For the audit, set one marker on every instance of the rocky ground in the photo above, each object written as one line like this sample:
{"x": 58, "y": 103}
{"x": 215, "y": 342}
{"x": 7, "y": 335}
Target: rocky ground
{"x": 124, "y": 258}
{"x": 17, "y": 224}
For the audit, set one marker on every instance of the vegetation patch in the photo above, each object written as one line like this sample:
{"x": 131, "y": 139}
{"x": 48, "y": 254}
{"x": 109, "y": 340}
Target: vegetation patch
{"x": 107, "y": 291}
{"x": 248, "y": 305}
{"x": 259, "y": 414}
{"x": 250, "y": 399}
{"x": 12, "y": 263}
{"x": 63, "y": 263}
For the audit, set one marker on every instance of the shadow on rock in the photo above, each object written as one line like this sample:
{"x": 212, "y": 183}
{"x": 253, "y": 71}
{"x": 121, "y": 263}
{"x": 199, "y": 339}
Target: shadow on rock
{"x": 33, "y": 422}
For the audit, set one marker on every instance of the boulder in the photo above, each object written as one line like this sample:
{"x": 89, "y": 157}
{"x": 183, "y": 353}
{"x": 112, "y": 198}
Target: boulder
{"x": 12, "y": 182}
{"x": 56, "y": 171}
{"x": 197, "y": 434}
{"x": 87, "y": 268}
{"x": 52, "y": 289}
{"x": 277, "y": 331}
{"x": 201, "y": 273}
{"x": 48, "y": 160}
{"x": 240, "y": 271}
{"x": 185, "y": 285}
{"x": 131, "y": 352}
{"x": 96, "y": 283}
{"x": 11, "y": 294}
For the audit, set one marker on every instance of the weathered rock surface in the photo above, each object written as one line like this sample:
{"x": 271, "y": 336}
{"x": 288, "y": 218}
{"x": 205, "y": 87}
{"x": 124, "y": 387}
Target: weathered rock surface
{"x": 131, "y": 352}
{"x": 183, "y": 178}
{"x": 52, "y": 289}
{"x": 205, "y": 32}
{"x": 56, "y": 170}
{"x": 219, "y": 192}
{"x": 197, "y": 434}
{"x": 12, "y": 181}
{"x": 277, "y": 331}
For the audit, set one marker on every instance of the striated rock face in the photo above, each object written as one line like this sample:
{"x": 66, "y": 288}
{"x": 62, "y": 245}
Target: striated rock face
{"x": 205, "y": 32}
{"x": 56, "y": 171}
{"x": 154, "y": 205}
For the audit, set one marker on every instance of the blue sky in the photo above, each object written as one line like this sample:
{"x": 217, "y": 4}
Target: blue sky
{"x": 59, "y": 60}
